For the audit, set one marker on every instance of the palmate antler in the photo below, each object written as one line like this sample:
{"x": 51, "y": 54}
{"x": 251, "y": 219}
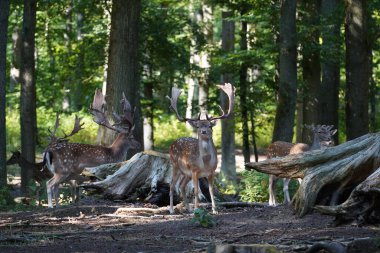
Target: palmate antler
{"x": 98, "y": 111}
{"x": 77, "y": 127}
{"x": 227, "y": 88}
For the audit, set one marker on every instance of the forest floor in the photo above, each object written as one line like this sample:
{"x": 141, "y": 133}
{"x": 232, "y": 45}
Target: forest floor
{"x": 103, "y": 226}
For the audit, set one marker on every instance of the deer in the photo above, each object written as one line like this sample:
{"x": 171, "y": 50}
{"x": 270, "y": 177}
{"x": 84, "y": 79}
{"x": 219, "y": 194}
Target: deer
{"x": 67, "y": 160}
{"x": 40, "y": 172}
{"x": 322, "y": 138}
{"x": 194, "y": 158}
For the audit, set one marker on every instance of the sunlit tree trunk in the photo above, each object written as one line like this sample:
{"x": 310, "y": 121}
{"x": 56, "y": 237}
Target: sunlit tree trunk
{"x": 28, "y": 120}
{"x": 123, "y": 67}
{"x": 286, "y": 104}
{"x": 228, "y": 167}
{"x": 80, "y": 64}
{"x": 4, "y": 14}
{"x": 330, "y": 63}
{"x": 357, "y": 69}
{"x": 148, "y": 116}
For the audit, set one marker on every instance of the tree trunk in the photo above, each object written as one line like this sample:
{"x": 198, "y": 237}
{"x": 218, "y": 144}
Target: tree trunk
{"x": 123, "y": 68}
{"x": 148, "y": 116}
{"x": 311, "y": 70}
{"x": 329, "y": 175}
{"x": 4, "y": 14}
{"x": 362, "y": 205}
{"x": 28, "y": 120}
{"x": 244, "y": 92}
{"x": 357, "y": 68}
{"x": 228, "y": 166}
{"x": 78, "y": 97}
{"x": 330, "y": 64}
{"x": 287, "y": 94}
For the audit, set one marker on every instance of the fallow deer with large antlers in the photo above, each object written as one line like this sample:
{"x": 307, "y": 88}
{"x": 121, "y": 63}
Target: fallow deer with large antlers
{"x": 67, "y": 160}
{"x": 322, "y": 138}
{"x": 192, "y": 158}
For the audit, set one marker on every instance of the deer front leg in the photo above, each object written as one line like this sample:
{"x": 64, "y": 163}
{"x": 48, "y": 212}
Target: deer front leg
{"x": 286, "y": 190}
{"x": 195, "y": 178}
{"x": 210, "y": 180}
{"x": 184, "y": 181}
{"x": 272, "y": 190}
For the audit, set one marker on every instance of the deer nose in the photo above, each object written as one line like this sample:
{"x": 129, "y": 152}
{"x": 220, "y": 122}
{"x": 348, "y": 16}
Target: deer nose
{"x": 203, "y": 132}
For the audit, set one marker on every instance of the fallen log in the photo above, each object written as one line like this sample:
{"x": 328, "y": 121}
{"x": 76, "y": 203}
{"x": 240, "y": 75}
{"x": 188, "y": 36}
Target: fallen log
{"x": 329, "y": 175}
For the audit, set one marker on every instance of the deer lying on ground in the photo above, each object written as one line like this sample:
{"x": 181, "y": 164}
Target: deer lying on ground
{"x": 322, "y": 138}
{"x": 192, "y": 158}
{"x": 67, "y": 160}
{"x": 40, "y": 172}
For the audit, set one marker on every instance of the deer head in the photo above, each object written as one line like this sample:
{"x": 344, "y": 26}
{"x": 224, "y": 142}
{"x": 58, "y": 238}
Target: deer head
{"x": 204, "y": 126}
{"x": 322, "y": 135}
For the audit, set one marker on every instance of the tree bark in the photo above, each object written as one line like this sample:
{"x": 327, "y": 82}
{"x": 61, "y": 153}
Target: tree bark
{"x": 28, "y": 120}
{"x": 330, "y": 64}
{"x": 329, "y": 175}
{"x": 286, "y": 104}
{"x": 4, "y": 14}
{"x": 362, "y": 205}
{"x": 311, "y": 70}
{"x": 228, "y": 166}
{"x": 123, "y": 66}
{"x": 357, "y": 68}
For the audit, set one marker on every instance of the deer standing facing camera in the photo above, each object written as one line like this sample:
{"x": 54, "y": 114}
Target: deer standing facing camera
{"x": 192, "y": 158}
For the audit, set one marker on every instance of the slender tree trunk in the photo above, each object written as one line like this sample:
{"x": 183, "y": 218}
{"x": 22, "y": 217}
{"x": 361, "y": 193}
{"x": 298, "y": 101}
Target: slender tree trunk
{"x": 286, "y": 105}
{"x": 311, "y": 67}
{"x": 244, "y": 92}
{"x": 28, "y": 120}
{"x": 68, "y": 83}
{"x": 228, "y": 167}
{"x": 357, "y": 69}
{"x": 123, "y": 66}
{"x": 148, "y": 116}
{"x": 4, "y": 14}
{"x": 330, "y": 64}
{"x": 16, "y": 58}
{"x": 80, "y": 64}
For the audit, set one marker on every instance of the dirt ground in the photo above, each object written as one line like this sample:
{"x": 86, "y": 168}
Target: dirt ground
{"x": 105, "y": 226}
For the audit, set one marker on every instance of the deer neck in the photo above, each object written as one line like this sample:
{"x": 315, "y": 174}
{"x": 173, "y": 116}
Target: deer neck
{"x": 119, "y": 146}
{"x": 207, "y": 151}
{"x": 316, "y": 143}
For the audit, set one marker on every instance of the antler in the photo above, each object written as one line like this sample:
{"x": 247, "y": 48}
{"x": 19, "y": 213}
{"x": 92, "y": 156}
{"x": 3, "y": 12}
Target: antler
{"x": 97, "y": 109}
{"x": 173, "y": 104}
{"x": 230, "y": 92}
{"x": 77, "y": 127}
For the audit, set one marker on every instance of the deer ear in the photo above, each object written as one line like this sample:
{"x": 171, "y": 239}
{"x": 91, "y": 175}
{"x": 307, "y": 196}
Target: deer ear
{"x": 213, "y": 123}
{"x": 193, "y": 123}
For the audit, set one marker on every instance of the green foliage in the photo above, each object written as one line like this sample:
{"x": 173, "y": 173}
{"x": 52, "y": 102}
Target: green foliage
{"x": 6, "y": 200}
{"x": 254, "y": 187}
{"x": 203, "y": 218}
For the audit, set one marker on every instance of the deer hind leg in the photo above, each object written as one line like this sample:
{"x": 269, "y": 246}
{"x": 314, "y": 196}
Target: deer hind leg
{"x": 195, "y": 178}
{"x": 183, "y": 184}
{"x": 52, "y": 187}
{"x": 175, "y": 176}
{"x": 286, "y": 190}
{"x": 272, "y": 190}
{"x": 210, "y": 180}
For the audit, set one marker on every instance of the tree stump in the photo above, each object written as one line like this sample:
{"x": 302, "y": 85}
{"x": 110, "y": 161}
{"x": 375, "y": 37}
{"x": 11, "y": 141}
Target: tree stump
{"x": 331, "y": 175}
{"x": 146, "y": 176}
